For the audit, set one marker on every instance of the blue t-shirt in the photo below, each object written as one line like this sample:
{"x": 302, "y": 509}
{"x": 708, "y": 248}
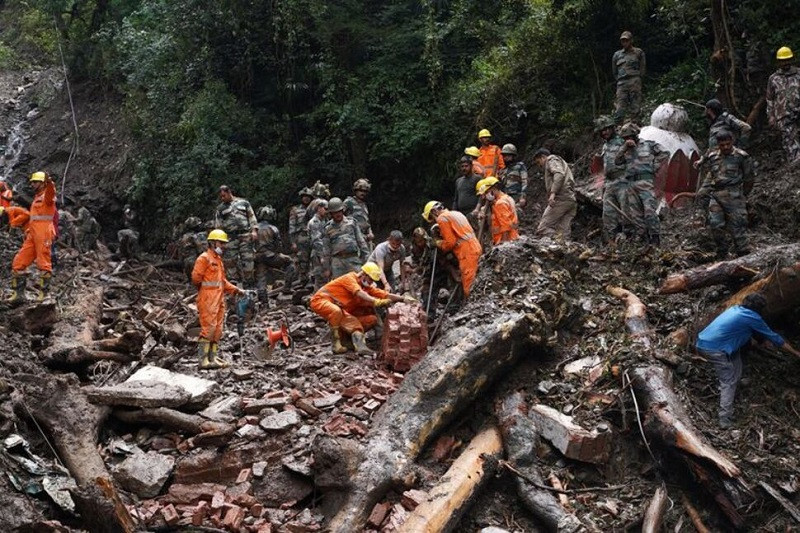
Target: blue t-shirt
{"x": 732, "y": 329}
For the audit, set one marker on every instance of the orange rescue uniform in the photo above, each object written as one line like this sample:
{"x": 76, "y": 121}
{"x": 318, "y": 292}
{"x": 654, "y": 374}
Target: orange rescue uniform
{"x": 39, "y": 233}
{"x": 6, "y": 194}
{"x": 504, "y": 218}
{"x": 458, "y": 237}
{"x": 208, "y": 275}
{"x": 338, "y": 303}
{"x": 491, "y": 159}
{"x": 478, "y": 169}
{"x": 18, "y": 217}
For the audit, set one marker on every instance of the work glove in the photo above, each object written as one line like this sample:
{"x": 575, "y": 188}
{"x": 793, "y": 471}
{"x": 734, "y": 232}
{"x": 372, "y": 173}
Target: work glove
{"x": 382, "y": 302}
{"x": 438, "y": 242}
{"x": 409, "y": 300}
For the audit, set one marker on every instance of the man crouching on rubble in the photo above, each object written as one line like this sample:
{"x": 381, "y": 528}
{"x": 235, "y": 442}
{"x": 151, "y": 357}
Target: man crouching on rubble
{"x": 721, "y": 341}
{"x": 348, "y": 304}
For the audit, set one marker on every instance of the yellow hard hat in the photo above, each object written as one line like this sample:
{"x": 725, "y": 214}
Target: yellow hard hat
{"x": 485, "y": 184}
{"x": 218, "y": 235}
{"x": 372, "y": 270}
{"x": 484, "y": 133}
{"x": 38, "y": 176}
{"x": 473, "y": 151}
{"x": 784, "y": 52}
{"x": 426, "y": 213}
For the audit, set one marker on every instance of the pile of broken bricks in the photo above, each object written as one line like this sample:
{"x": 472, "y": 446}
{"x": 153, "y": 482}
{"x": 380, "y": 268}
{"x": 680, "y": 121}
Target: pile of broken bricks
{"x": 405, "y": 336}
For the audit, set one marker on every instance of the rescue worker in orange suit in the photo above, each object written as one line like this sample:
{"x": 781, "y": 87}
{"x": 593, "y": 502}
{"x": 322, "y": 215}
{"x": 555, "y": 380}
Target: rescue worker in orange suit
{"x": 348, "y": 303}
{"x": 491, "y": 157}
{"x": 208, "y": 275}
{"x": 456, "y": 235}
{"x": 502, "y": 208}
{"x": 39, "y": 236}
{"x": 17, "y": 217}
{"x": 475, "y": 153}
{"x": 6, "y": 194}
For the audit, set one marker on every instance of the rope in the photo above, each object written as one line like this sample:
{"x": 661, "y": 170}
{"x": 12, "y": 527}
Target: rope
{"x": 74, "y": 149}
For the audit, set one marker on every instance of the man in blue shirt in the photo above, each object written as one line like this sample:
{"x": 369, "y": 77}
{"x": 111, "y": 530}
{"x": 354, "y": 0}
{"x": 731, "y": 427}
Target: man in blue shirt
{"x": 721, "y": 340}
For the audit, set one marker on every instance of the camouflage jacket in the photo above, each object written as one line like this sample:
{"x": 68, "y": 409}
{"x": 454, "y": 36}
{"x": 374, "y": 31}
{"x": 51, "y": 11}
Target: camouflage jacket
{"x": 358, "y": 211}
{"x": 268, "y": 241}
{"x": 783, "y": 95}
{"x": 315, "y": 228}
{"x": 515, "y": 179}
{"x": 343, "y": 239}
{"x": 422, "y": 255}
{"x": 727, "y": 122}
{"x": 628, "y": 64}
{"x": 298, "y": 234}
{"x": 730, "y": 170}
{"x": 192, "y": 244}
{"x": 235, "y": 218}
{"x": 86, "y": 225}
{"x": 643, "y": 160}
{"x": 609, "y": 153}
{"x": 558, "y": 179}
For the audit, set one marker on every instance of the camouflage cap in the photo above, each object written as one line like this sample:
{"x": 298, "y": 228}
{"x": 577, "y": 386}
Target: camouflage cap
{"x": 602, "y": 122}
{"x": 193, "y": 223}
{"x": 626, "y": 35}
{"x": 629, "y": 129}
{"x": 335, "y": 205}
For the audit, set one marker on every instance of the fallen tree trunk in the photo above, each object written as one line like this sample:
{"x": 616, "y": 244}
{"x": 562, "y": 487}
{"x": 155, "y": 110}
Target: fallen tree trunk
{"x": 654, "y": 514}
{"x": 521, "y": 440}
{"x": 741, "y": 268}
{"x": 448, "y": 500}
{"x": 170, "y": 418}
{"x": 455, "y": 372}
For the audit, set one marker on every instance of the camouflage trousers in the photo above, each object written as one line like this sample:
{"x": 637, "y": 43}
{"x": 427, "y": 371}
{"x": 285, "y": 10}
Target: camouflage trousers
{"x": 727, "y": 210}
{"x": 641, "y": 209}
{"x": 628, "y": 102}
{"x": 342, "y": 264}
{"x": 303, "y": 257}
{"x": 556, "y": 220}
{"x": 317, "y": 272}
{"x": 790, "y": 135}
{"x": 615, "y": 199}
{"x": 267, "y": 262}
{"x": 239, "y": 260}
{"x": 128, "y": 243}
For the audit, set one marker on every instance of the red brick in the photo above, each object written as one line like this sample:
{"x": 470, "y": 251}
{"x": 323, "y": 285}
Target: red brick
{"x": 244, "y": 475}
{"x": 378, "y": 514}
{"x": 170, "y": 515}
{"x": 257, "y": 510}
{"x": 218, "y": 500}
{"x": 199, "y": 514}
{"x": 233, "y": 518}
{"x": 412, "y": 498}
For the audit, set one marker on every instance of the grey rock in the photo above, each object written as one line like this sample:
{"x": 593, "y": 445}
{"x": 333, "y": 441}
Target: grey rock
{"x": 281, "y": 421}
{"x": 223, "y": 410}
{"x": 144, "y": 474}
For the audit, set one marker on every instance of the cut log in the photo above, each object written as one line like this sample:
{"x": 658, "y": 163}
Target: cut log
{"x": 569, "y": 438}
{"x": 654, "y": 514}
{"x": 162, "y": 416}
{"x": 462, "y": 365}
{"x": 447, "y": 501}
{"x": 741, "y": 268}
{"x": 74, "y": 333}
{"x": 521, "y": 440}
{"x": 635, "y": 315}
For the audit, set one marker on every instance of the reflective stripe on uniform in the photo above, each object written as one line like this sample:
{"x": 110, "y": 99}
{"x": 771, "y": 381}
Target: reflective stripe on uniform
{"x": 466, "y": 237}
{"x": 211, "y": 284}
{"x": 42, "y": 217}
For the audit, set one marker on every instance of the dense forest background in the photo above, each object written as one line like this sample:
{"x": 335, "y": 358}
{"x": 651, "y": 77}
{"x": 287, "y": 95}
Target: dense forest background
{"x": 269, "y": 96}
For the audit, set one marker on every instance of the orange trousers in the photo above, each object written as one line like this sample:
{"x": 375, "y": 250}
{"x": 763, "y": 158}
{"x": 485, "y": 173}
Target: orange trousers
{"x": 211, "y": 311}
{"x": 36, "y": 247}
{"x": 361, "y": 318}
{"x": 468, "y": 254}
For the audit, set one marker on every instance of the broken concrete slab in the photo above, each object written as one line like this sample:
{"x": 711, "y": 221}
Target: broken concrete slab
{"x": 225, "y": 409}
{"x": 139, "y": 394}
{"x": 281, "y": 421}
{"x": 201, "y": 391}
{"x": 569, "y": 438}
{"x": 327, "y": 401}
{"x": 144, "y": 474}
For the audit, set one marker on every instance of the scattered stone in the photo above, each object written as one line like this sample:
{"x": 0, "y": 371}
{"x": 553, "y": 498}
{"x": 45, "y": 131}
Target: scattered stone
{"x": 250, "y": 432}
{"x": 233, "y": 518}
{"x": 412, "y": 498}
{"x": 584, "y": 363}
{"x": 297, "y": 466}
{"x": 181, "y": 493}
{"x": 378, "y": 514}
{"x": 308, "y": 408}
{"x": 144, "y": 474}
{"x": 170, "y": 515}
{"x": 242, "y": 374}
{"x": 327, "y": 401}
{"x": 569, "y": 438}
{"x": 244, "y": 475}
{"x": 225, "y": 409}
{"x": 200, "y": 390}
{"x": 139, "y": 394}
{"x": 258, "y": 468}
{"x": 280, "y": 422}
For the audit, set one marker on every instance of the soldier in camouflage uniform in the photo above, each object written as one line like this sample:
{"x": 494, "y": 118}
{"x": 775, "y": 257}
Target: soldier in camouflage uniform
{"x": 722, "y": 120}
{"x": 783, "y": 103}
{"x": 514, "y": 176}
{"x": 559, "y": 183}
{"x": 128, "y": 237}
{"x": 641, "y": 159}
{"x": 87, "y": 230}
{"x": 67, "y": 236}
{"x": 628, "y": 66}
{"x": 268, "y": 254}
{"x": 615, "y": 185}
{"x": 320, "y": 190}
{"x": 298, "y": 233}
{"x": 316, "y": 227}
{"x": 191, "y": 244}
{"x": 723, "y": 193}
{"x": 344, "y": 248}
{"x": 355, "y": 207}
{"x": 235, "y": 217}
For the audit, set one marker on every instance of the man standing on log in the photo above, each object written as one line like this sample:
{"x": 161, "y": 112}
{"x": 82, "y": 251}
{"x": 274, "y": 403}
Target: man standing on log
{"x": 504, "y": 223}
{"x": 560, "y": 187}
{"x": 628, "y": 67}
{"x": 208, "y": 276}
{"x": 783, "y": 102}
{"x": 721, "y": 341}
{"x": 721, "y": 120}
{"x": 615, "y": 185}
{"x": 456, "y": 235}
{"x": 348, "y": 304}
{"x": 39, "y": 236}
{"x": 235, "y": 216}
{"x": 723, "y": 193}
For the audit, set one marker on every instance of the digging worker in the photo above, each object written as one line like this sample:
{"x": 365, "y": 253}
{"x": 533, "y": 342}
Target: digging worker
{"x": 473, "y": 152}
{"x": 721, "y": 120}
{"x": 504, "y": 223}
{"x": 615, "y": 185}
{"x": 128, "y": 237}
{"x": 87, "y": 230}
{"x": 721, "y": 341}
{"x": 642, "y": 159}
{"x": 356, "y": 208}
{"x": 348, "y": 304}
{"x": 236, "y": 218}
{"x": 298, "y": 234}
{"x": 316, "y": 227}
{"x": 628, "y": 66}
{"x": 560, "y": 187}
{"x": 208, "y": 276}
{"x": 491, "y": 159}
{"x": 344, "y": 248}
{"x": 39, "y": 236}
{"x": 514, "y": 176}
{"x": 268, "y": 254}
{"x": 723, "y": 193}
{"x": 385, "y": 255}
{"x": 17, "y": 217}
{"x": 456, "y": 235}
{"x": 783, "y": 102}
